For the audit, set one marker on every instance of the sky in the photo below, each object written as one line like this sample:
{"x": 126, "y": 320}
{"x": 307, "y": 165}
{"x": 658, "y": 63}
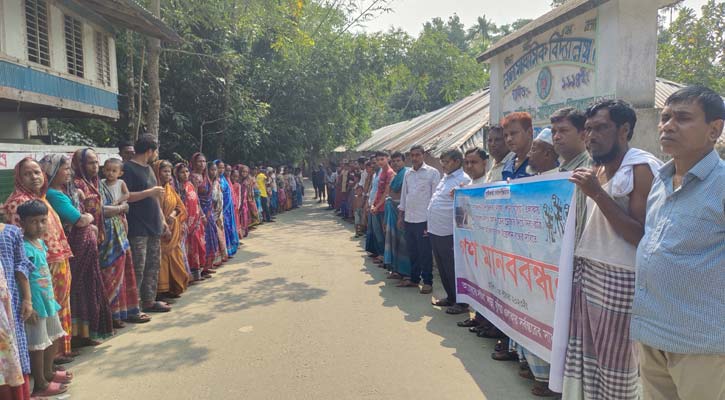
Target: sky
{"x": 410, "y": 15}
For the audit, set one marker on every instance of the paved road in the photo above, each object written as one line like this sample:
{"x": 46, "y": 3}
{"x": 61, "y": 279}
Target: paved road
{"x": 299, "y": 314}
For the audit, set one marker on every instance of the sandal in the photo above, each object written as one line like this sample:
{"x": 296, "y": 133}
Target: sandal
{"x": 63, "y": 360}
{"x": 62, "y": 377}
{"x": 526, "y": 374}
{"x": 157, "y": 307}
{"x": 118, "y": 324}
{"x": 501, "y": 345}
{"x": 468, "y": 323}
{"x": 505, "y": 356}
{"x": 53, "y": 389}
{"x": 491, "y": 333}
{"x": 138, "y": 319}
{"x": 456, "y": 309}
{"x": 541, "y": 389}
{"x": 407, "y": 283}
{"x": 395, "y": 275}
{"x": 442, "y": 303}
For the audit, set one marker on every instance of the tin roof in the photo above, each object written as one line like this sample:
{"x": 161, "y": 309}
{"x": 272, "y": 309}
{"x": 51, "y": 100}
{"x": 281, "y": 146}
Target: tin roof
{"x": 130, "y": 14}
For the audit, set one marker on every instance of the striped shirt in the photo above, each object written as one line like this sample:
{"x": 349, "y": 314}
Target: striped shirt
{"x": 679, "y": 303}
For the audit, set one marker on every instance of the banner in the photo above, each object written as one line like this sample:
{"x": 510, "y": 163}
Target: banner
{"x": 514, "y": 253}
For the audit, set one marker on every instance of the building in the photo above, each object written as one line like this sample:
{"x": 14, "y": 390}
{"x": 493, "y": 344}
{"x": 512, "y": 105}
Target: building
{"x": 58, "y": 60}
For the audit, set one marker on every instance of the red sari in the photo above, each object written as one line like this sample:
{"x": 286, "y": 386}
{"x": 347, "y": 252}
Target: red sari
{"x": 237, "y": 200}
{"x": 195, "y": 243}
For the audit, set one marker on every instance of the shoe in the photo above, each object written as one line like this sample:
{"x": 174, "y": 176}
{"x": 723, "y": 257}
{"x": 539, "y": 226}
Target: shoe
{"x": 426, "y": 289}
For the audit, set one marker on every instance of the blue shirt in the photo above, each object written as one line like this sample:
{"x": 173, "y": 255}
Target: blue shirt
{"x": 510, "y": 170}
{"x": 679, "y": 302}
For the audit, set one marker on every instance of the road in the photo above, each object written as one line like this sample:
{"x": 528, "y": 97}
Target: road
{"x": 300, "y": 313}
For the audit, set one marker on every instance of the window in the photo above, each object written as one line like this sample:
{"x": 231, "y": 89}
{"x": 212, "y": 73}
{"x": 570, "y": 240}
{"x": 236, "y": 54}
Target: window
{"x": 74, "y": 45}
{"x": 103, "y": 59}
{"x": 36, "y": 26}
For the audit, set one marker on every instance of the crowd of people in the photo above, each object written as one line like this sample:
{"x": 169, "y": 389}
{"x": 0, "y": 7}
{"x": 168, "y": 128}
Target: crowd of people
{"x": 647, "y": 310}
{"x": 88, "y": 248}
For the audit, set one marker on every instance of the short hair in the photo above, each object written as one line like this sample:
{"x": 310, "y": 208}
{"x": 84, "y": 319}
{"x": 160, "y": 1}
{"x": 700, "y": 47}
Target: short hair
{"x": 479, "y": 151}
{"x": 496, "y": 129}
{"x": 417, "y": 147}
{"x": 571, "y": 114}
{"x": 361, "y": 160}
{"x": 712, "y": 104}
{"x": 124, "y": 143}
{"x": 113, "y": 161}
{"x": 452, "y": 154}
{"x": 32, "y": 208}
{"x": 620, "y": 112}
{"x": 381, "y": 153}
{"x": 521, "y": 117}
{"x": 399, "y": 155}
{"x": 145, "y": 143}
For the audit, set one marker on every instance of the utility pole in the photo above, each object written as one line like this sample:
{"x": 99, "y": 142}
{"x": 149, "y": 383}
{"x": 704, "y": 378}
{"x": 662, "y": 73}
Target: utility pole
{"x": 154, "y": 45}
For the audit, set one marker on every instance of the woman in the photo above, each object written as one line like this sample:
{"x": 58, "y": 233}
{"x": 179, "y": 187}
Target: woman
{"x": 248, "y": 185}
{"x": 195, "y": 244}
{"x": 117, "y": 272}
{"x": 396, "y": 251}
{"x": 281, "y": 193}
{"x": 237, "y": 200}
{"x": 231, "y": 236}
{"x": 31, "y": 184}
{"x": 12, "y": 382}
{"x": 200, "y": 179}
{"x": 173, "y": 278}
{"x": 218, "y": 206}
{"x": 91, "y": 320}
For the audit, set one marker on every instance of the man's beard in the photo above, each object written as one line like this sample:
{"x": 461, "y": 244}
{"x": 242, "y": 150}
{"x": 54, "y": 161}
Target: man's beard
{"x": 608, "y": 156}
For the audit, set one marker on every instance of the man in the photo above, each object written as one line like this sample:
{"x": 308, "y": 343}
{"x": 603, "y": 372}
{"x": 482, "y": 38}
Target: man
{"x": 377, "y": 209}
{"x": 474, "y": 165}
{"x": 371, "y": 245}
{"x": 331, "y": 180}
{"x": 542, "y": 156}
{"x": 499, "y": 151}
{"x": 567, "y": 129}
{"x": 440, "y": 227}
{"x": 600, "y": 359}
{"x": 419, "y": 185}
{"x": 272, "y": 184}
{"x": 145, "y": 221}
{"x": 322, "y": 181}
{"x": 125, "y": 150}
{"x": 518, "y": 132}
{"x": 678, "y": 316}
{"x": 262, "y": 187}
{"x": 396, "y": 251}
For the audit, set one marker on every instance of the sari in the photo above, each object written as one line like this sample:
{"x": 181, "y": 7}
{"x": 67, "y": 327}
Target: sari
{"x": 91, "y": 318}
{"x": 59, "y": 250}
{"x": 173, "y": 278}
{"x": 396, "y": 250}
{"x": 195, "y": 245}
{"x": 231, "y": 236}
{"x": 218, "y": 202}
{"x": 237, "y": 201}
{"x": 11, "y": 373}
{"x": 250, "y": 187}
{"x": 281, "y": 194}
{"x": 204, "y": 193}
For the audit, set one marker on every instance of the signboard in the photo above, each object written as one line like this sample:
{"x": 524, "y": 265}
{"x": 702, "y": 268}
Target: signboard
{"x": 514, "y": 252}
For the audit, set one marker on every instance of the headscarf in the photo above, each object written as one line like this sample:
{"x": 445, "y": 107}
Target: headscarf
{"x": 158, "y": 164}
{"x": 50, "y": 164}
{"x": 179, "y": 187}
{"x": 21, "y": 194}
{"x": 205, "y": 181}
{"x": 89, "y": 186}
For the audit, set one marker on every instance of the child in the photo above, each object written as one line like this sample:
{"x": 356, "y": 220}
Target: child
{"x": 358, "y": 203}
{"x": 113, "y": 170}
{"x": 43, "y": 327}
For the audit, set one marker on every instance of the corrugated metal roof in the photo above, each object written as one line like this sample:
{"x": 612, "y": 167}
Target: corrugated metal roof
{"x": 460, "y": 124}
{"x": 438, "y": 130}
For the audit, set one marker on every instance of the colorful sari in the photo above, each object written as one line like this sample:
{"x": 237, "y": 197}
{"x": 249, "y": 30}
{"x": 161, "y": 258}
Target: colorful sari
{"x": 237, "y": 200}
{"x": 11, "y": 372}
{"x": 230, "y": 222}
{"x": 252, "y": 202}
{"x": 396, "y": 250}
{"x": 173, "y": 278}
{"x": 195, "y": 245}
{"x": 59, "y": 250}
{"x": 204, "y": 191}
{"x": 91, "y": 318}
{"x": 218, "y": 202}
{"x": 281, "y": 194}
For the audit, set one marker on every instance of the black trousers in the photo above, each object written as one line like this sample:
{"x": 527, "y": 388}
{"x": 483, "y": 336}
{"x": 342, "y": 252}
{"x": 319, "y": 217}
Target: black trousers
{"x": 265, "y": 208}
{"x": 421, "y": 261}
{"x": 443, "y": 254}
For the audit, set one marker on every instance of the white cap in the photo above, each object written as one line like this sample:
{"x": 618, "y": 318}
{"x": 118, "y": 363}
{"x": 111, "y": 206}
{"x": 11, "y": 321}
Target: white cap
{"x": 545, "y": 136}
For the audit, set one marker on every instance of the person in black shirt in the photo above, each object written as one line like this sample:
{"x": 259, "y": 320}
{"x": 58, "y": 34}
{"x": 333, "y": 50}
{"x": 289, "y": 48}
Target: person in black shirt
{"x": 145, "y": 222}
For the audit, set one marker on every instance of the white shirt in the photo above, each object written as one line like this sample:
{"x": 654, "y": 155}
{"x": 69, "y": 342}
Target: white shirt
{"x": 440, "y": 209}
{"x": 363, "y": 178}
{"x": 418, "y": 187}
{"x": 478, "y": 181}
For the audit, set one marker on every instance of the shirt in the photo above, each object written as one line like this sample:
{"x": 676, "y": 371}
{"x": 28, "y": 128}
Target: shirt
{"x": 262, "y": 184}
{"x": 384, "y": 177}
{"x": 374, "y": 187}
{"x": 510, "y": 171}
{"x": 583, "y": 160}
{"x": 494, "y": 174}
{"x": 679, "y": 291}
{"x": 40, "y": 281}
{"x": 363, "y": 178}
{"x": 418, "y": 188}
{"x": 144, "y": 216}
{"x": 440, "y": 208}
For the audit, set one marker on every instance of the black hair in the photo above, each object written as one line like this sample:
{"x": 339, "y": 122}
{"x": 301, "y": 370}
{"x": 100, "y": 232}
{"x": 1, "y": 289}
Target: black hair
{"x": 571, "y": 114}
{"x": 124, "y": 143}
{"x": 113, "y": 161}
{"x": 361, "y": 160}
{"x": 477, "y": 150}
{"x": 399, "y": 155}
{"x": 496, "y": 128}
{"x": 381, "y": 153}
{"x": 453, "y": 155}
{"x": 145, "y": 143}
{"x": 32, "y": 208}
{"x": 418, "y": 147}
{"x": 620, "y": 112}
{"x": 712, "y": 104}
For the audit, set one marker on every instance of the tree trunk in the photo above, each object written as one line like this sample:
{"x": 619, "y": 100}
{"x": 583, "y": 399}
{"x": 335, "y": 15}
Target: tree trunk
{"x": 154, "y": 99}
{"x": 131, "y": 82}
{"x": 225, "y": 112}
